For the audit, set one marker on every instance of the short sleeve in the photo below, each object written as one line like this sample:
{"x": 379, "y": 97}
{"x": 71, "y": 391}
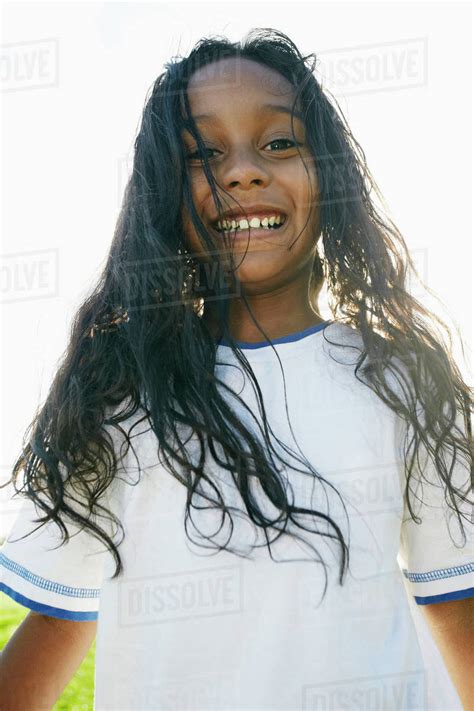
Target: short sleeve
{"x": 436, "y": 556}
{"x": 56, "y": 578}
{"x": 48, "y": 576}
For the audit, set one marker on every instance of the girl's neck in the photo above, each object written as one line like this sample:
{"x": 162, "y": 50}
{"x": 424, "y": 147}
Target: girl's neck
{"x": 283, "y": 325}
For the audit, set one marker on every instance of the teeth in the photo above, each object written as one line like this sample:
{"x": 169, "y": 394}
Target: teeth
{"x": 255, "y": 222}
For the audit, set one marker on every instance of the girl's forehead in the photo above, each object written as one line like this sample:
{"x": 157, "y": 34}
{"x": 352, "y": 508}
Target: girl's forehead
{"x": 233, "y": 75}
{"x": 239, "y": 88}
{"x": 259, "y": 110}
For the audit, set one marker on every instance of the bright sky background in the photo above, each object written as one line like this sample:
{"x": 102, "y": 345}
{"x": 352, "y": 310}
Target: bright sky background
{"x": 74, "y": 79}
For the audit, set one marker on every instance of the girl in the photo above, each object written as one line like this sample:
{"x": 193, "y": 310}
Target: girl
{"x": 261, "y": 500}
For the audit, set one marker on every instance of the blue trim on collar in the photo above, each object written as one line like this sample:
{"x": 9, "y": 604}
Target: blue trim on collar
{"x": 283, "y": 339}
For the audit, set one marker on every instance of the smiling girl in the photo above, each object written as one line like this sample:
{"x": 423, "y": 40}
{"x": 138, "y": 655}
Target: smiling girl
{"x": 290, "y": 490}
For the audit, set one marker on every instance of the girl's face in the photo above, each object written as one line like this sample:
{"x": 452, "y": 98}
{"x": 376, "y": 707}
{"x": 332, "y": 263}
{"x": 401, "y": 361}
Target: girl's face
{"x": 253, "y": 157}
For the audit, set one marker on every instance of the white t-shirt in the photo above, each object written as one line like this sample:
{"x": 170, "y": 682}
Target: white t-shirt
{"x": 187, "y": 627}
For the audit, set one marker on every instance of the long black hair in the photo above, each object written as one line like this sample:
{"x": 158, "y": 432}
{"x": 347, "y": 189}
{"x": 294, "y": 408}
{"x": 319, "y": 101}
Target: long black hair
{"x": 160, "y": 364}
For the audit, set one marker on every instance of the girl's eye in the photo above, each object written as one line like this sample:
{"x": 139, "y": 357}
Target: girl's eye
{"x": 275, "y": 140}
{"x": 198, "y": 153}
{"x": 281, "y": 140}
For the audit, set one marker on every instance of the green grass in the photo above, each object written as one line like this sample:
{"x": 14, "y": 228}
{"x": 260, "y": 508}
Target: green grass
{"x": 79, "y": 693}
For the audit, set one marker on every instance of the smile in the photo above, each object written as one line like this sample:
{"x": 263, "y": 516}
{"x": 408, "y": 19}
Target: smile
{"x": 267, "y": 221}
{"x": 254, "y": 228}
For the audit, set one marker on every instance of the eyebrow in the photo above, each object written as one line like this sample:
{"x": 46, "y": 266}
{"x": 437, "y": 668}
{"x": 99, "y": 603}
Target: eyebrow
{"x": 266, "y": 109}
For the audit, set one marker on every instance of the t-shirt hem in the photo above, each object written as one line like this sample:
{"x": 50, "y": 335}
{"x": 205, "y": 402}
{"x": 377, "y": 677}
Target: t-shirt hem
{"x": 454, "y": 595}
{"x": 441, "y": 584}
{"x": 48, "y": 609}
{"x": 44, "y": 594}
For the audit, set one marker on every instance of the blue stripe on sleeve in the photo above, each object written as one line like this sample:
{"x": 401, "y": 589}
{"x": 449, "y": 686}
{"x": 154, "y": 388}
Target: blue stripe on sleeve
{"x": 44, "y": 583}
{"x": 456, "y": 595}
{"x": 439, "y": 573}
{"x": 48, "y": 609}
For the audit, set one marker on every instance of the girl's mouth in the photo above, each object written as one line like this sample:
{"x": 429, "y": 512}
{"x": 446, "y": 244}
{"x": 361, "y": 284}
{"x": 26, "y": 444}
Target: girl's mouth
{"x": 249, "y": 232}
